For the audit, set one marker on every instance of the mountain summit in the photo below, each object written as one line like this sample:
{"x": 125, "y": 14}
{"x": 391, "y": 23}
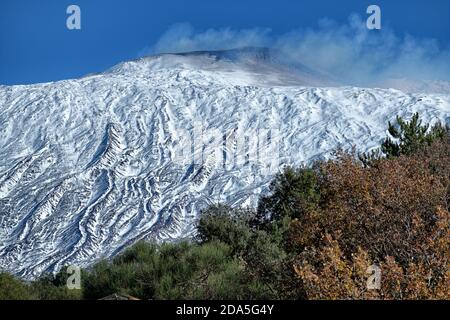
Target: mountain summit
{"x": 245, "y": 66}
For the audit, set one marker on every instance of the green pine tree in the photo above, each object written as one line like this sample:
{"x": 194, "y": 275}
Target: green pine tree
{"x": 406, "y": 138}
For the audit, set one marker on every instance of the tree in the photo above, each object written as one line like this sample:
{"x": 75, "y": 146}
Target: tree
{"x": 394, "y": 214}
{"x": 406, "y": 138}
{"x": 410, "y": 136}
{"x": 291, "y": 193}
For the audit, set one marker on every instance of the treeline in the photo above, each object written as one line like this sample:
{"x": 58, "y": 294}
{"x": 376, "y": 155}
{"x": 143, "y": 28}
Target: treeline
{"x": 315, "y": 235}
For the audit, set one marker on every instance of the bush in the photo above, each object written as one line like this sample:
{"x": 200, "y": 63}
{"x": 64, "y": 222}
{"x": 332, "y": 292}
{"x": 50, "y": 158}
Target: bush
{"x": 260, "y": 250}
{"x": 49, "y": 287}
{"x": 211, "y": 274}
{"x": 227, "y": 225}
{"x": 12, "y": 288}
{"x": 169, "y": 271}
{"x": 106, "y": 278}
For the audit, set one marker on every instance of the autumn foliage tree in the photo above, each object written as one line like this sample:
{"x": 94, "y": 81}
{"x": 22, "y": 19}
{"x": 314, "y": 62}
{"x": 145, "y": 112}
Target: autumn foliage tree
{"x": 394, "y": 214}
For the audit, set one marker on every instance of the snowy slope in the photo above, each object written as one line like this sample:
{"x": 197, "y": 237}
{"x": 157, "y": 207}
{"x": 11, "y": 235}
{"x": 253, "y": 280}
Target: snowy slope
{"x": 90, "y": 166}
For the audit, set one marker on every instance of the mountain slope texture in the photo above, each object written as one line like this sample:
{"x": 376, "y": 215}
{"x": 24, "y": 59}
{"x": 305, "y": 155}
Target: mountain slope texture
{"x": 90, "y": 166}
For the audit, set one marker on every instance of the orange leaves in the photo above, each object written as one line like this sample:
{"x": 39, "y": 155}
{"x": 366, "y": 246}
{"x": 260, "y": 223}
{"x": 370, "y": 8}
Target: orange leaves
{"x": 394, "y": 213}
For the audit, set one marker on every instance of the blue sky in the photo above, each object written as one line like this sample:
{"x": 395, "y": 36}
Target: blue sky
{"x": 36, "y": 46}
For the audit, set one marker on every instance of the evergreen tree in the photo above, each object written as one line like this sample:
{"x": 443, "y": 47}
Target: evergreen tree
{"x": 406, "y": 138}
{"x": 291, "y": 192}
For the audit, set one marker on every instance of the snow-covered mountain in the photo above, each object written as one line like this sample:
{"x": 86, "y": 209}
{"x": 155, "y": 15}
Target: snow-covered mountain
{"x": 92, "y": 165}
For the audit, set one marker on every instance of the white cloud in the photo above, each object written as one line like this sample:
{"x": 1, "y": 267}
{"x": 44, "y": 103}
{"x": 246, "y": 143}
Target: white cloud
{"x": 182, "y": 37}
{"x": 349, "y": 52}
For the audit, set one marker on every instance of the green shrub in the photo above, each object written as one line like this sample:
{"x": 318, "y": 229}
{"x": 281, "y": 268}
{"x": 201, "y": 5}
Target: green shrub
{"x": 230, "y": 226}
{"x": 49, "y": 287}
{"x": 12, "y": 288}
{"x": 169, "y": 271}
